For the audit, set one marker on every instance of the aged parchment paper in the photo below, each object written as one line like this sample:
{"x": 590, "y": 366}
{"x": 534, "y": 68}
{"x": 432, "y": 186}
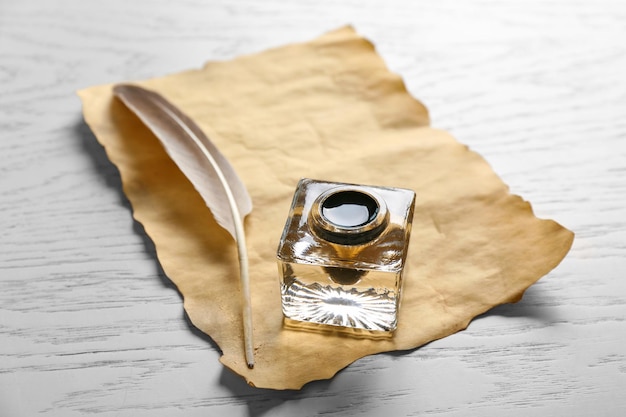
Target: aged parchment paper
{"x": 327, "y": 109}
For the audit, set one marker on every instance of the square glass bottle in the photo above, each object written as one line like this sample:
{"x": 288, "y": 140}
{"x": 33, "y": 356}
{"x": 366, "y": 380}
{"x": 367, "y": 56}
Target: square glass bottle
{"x": 342, "y": 254}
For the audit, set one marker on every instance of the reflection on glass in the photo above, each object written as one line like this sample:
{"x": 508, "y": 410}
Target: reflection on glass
{"x": 342, "y": 254}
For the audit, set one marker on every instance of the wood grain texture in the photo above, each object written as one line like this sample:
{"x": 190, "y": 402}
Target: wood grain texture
{"x": 90, "y": 325}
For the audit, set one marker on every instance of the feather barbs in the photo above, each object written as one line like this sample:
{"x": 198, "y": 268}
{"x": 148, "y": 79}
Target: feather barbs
{"x": 208, "y": 171}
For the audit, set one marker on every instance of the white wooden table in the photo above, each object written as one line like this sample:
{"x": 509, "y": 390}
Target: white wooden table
{"x": 89, "y": 325}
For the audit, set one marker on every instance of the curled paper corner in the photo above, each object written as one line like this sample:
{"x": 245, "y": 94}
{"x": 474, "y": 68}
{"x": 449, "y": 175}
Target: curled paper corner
{"x": 473, "y": 245}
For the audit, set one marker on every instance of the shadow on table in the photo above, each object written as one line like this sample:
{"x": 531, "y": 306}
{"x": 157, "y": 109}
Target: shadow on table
{"x": 111, "y": 176}
{"x": 533, "y": 306}
{"x": 260, "y": 402}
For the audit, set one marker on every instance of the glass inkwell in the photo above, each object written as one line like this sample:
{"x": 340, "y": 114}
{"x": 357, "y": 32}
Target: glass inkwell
{"x": 342, "y": 254}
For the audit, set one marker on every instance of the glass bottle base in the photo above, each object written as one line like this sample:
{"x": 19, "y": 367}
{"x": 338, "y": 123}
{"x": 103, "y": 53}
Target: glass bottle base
{"x": 366, "y": 309}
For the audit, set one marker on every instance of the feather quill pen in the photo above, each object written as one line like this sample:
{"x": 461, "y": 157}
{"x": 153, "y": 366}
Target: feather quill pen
{"x": 207, "y": 169}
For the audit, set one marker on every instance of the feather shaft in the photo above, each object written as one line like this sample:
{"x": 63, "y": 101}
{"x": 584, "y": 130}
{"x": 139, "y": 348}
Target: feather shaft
{"x": 210, "y": 173}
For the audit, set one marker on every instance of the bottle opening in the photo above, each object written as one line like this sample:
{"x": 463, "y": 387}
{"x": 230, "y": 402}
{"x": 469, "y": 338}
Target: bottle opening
{"x": 350, "y": 208}
{"x": 348, "y": 215}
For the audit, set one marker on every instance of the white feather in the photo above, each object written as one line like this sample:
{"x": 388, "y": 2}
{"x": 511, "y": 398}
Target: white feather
{"x": 207, "y": 169}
